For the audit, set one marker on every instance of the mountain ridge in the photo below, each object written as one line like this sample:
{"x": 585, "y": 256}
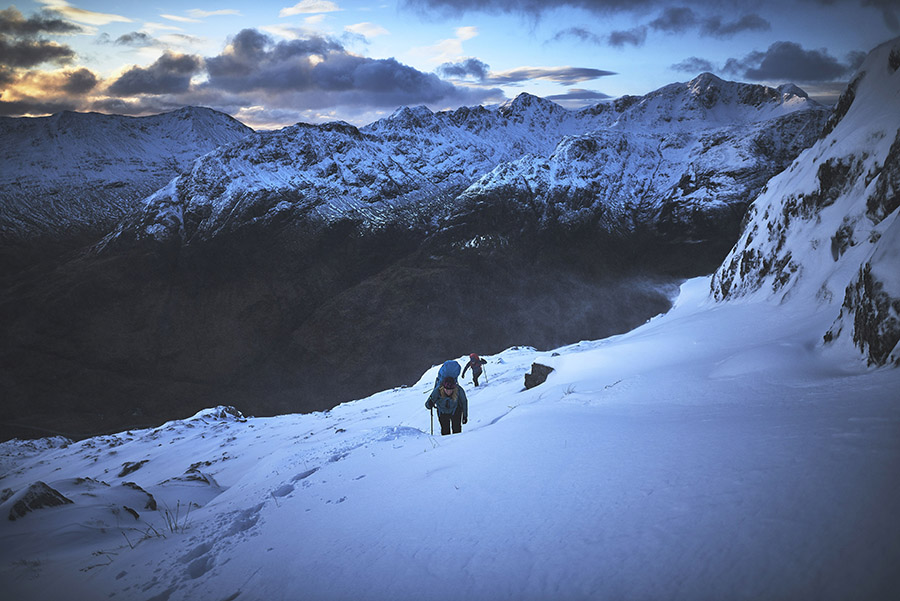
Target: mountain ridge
{"x": 286, "y": 259}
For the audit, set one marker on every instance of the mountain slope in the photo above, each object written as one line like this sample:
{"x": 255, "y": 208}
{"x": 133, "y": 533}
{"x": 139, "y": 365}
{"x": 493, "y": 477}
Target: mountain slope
{"x": 295, "y": 269}
{"x": 828, "y": 225}
{"x": 715, "y": 452}
{"x": 75, "y": 175}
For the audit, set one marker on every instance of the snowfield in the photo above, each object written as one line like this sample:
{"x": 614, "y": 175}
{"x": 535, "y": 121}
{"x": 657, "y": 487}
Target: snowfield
{"x": 717, "y": 452}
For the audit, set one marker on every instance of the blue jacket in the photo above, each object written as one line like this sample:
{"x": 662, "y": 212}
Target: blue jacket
{"x": 449, "y": 404}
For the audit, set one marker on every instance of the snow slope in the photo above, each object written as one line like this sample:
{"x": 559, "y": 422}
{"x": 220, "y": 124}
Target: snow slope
{"x": 74, "y": 170}
{"x": 714, "y": 453}
{"x": 827, "y": 227}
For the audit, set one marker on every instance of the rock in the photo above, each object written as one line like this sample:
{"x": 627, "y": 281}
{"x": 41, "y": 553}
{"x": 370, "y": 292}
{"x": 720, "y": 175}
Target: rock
{"x": 538, "y": 375}
{"x": 36, "y": 496}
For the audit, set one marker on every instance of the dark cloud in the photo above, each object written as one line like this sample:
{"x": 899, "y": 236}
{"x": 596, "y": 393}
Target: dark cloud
{"x": 579, "y": 33}
{"x": 255, "y": 62}
{"x": 631, "y": 37}
{"x": 683, "y": 20}
{"x": 788, "y": 61}
{"x": 471, "y": 67}
{"x": 137, "y": 39}
{"x": 535, "y": 8}
{"x": 170, "y": 74}
{"x": 716, "y": 27}
{"x": 694, "y": 65}
{"x": 324, "y": 72}
{"x": 525, "y": 7}
{"x": 7, "y": 76}
{"x": 12, "y": 22}
{"x": 145, "y": 105}
{"x": 29, "y": 53}
{"x": 80, "y": 82}
{"x": 675, "y": 20}
{"x": 36, "y": 106}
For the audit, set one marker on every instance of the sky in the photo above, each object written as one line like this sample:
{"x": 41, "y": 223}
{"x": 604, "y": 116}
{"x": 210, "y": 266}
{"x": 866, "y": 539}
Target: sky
{"x": 271, "y": 64}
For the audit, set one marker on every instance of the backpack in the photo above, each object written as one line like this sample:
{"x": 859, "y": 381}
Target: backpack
{"x": 450, "y": 369}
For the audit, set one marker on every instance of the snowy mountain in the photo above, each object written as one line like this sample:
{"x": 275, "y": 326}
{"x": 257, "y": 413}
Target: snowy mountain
{"x": 690, "y": 149}
{"x": 75, "y": 173}
{"x": 827, "y": 227}
{"x": 739, "y": 446}
{"x": 294, "y": 269}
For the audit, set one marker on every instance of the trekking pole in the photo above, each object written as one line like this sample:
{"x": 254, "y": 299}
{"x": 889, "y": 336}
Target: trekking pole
{"x": 432, "y": 421}
{"x": 484, "y": 369}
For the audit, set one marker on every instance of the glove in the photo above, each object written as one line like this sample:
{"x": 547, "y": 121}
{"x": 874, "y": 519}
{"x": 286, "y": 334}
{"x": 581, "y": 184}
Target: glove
{"x": 428, "y": 404}
{"x": 465, "y": 420}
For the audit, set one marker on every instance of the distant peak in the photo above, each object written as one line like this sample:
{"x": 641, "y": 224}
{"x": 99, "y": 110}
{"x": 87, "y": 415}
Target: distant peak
{"x": 706, "y": 80}
{"x": 415, "y": 116}
{"x": 405, "y": 112}
{"x": 527, "y": 102}
{"x": 790, "y": 89}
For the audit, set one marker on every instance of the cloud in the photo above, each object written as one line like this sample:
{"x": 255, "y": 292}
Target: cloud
{"x": 318, "y": 71}
{"x": 675, "y": 20}
{"x": 578, "y": 97}
{"x": 535, "y": 8}
{"x": 470, "y": 67}
{"x": 202, "y": 14}
{"x": 79, "y": 82}
{"x": 82, "y": 16}
{"x": 526, "y": 7}
{"x": 683, "y": 20}
{"x": 137, "y": 39}
{"x": 578, "y": 33}
{"x": 12, "y": 22}
{"x": 562, "y": 75}
{"x": 29, "y": 53}
{"x": 480, "y": 71}
{"x": 450, "y": 49}
{"x": 180, "y": 19}
{"x": 309, "y": 7}
{"x": 631, "y": 37}
{"x": 170, "y": 74}
{"x": 715, "y": 27}
{"x": 367, "y": 30}
{"x": 36, "y": 106}
{"x": 788, "y": 61}
{"x": 7, "y": 76}
{"x": 42, "y": 92}
{"x": 694, "y": 65}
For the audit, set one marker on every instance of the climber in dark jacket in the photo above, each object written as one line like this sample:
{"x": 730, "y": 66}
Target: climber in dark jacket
{"x": 453, "y": 408}
{"x": 475, "y": 363}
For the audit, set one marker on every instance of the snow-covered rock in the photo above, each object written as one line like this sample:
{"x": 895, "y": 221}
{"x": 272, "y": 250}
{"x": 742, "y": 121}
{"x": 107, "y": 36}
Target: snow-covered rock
{"x": 681, "y": 163}
{"x": 827, "y": 226}
{"x": 684, "y": 150}
{"x": 37, "y": 496}
{"x": 74, "y": 172}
